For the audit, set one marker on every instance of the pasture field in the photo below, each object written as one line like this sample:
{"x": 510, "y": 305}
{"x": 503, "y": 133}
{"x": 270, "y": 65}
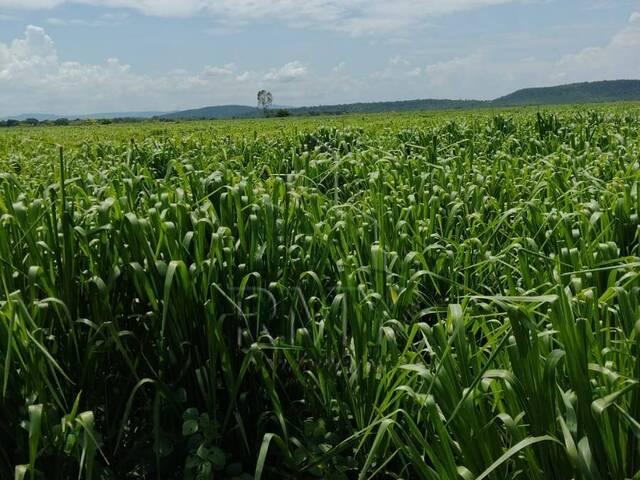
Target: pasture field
{"x": 416, "y": 296}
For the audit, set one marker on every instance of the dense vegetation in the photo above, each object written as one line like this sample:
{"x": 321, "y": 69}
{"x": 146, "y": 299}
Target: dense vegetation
{"x": 431, "y": 297}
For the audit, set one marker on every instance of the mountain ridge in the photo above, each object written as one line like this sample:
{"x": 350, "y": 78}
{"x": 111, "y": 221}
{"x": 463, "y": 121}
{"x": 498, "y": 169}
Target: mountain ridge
{"x": 578, "y": 93}
{"x": 573, "y": 93}
{"x": 41, "y": 117}
{"x": 582, "y": 92}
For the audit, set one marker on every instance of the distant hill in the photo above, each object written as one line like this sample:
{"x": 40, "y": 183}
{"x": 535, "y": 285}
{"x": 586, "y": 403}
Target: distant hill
{"x": 100, "y": 116}
{"x": 241, "y": 111}
{"x": 399, "y": 106}
{"x": 222, "y": 111}
{"x": 587, "y": 92}
{"x": 41, "y": 117}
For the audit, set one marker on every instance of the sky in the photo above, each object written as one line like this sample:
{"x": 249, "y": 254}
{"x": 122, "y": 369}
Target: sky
{"x": 90, "y": 56}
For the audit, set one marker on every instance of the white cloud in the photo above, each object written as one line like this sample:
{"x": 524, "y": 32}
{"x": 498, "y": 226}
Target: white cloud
{"x": 395, "y": 70}
{"x": 399, "y": 60}
{"x": 243, "y": 77}
{"x": 351, "y": 16}
{"x": 478, "y": 75}
{"x": 339, "y": 67}
{"x": 106, "y": 20}
{"x": 58, "y": 22}
{"x": 34, "y": 78}
{"x": 35, "y": 53}
{"x": 214, "y": 71}
{"x": 619, "y": 58}
{"x": 290, "y": 71}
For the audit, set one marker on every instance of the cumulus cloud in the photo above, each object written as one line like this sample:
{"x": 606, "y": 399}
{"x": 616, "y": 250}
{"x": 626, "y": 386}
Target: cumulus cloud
{"x": 106, "y": 20}
{"x": 243, "y": 77}
{"x": 619, "y": 58}
{"x": 288, "y": 72}
{"x": 214, "y": 71}
{"x": 339, "y": 67}
{"x": 33, "y": 54}
{"x": 34, "y": 78}
{"x": 351, "y": 16}
{"x": 479, "y": 75}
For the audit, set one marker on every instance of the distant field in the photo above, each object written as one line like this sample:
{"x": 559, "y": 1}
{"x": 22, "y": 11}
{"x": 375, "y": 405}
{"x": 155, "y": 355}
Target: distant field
{"x": 73, "y": 134}
{"x": 450, "y": 295}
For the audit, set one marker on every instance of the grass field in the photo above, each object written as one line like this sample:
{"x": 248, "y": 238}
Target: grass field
{"x": 416, "y": 296}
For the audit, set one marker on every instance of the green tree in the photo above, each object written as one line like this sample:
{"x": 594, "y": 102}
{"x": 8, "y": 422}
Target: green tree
{"x": 265, "y": 99}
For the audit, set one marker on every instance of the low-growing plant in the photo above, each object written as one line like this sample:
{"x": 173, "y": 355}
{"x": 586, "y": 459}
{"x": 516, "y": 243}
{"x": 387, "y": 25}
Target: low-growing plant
{"x": 413, "y": 296}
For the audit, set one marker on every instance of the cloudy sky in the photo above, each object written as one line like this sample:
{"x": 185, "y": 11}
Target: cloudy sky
{"x": 87, "y": 56}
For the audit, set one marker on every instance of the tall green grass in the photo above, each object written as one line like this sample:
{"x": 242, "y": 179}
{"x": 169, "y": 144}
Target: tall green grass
{"x": 434, "y": 298}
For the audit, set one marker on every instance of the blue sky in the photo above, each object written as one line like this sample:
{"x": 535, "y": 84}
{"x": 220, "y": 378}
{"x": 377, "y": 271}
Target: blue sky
{"x": 88, "y": 56}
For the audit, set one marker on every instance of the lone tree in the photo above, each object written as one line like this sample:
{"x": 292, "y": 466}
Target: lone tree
{"x": 265, "y": 99}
